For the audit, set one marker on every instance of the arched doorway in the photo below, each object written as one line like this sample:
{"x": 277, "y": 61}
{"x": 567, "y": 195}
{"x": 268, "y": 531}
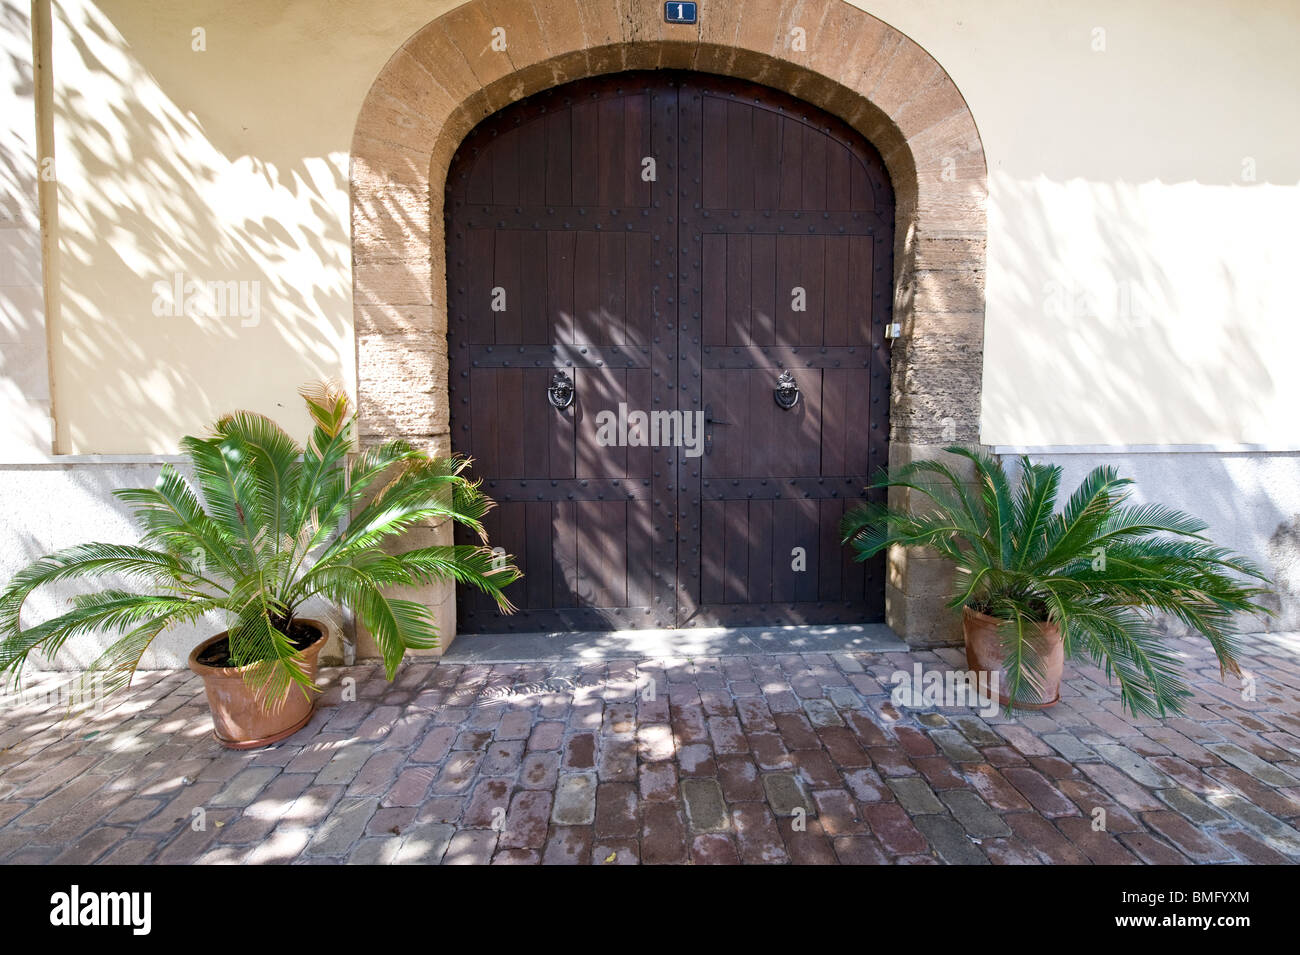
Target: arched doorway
{"x": 453, "y": 72}
{"x": 675, "y": 247}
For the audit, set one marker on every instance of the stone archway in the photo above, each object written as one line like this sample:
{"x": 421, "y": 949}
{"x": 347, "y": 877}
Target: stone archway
{"x": 486, "y": 54}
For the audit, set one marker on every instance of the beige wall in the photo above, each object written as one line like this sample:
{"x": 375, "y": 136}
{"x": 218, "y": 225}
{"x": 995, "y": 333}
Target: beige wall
{"x": 1135, "y": 280}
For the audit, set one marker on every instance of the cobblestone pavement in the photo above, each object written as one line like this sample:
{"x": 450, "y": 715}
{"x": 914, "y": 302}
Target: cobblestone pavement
{"x": 759, "y": 759}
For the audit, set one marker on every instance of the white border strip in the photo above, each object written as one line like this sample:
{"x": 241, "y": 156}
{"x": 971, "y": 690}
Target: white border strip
{"x": 62, "y": 460}
{"x": 1147, "y": 449}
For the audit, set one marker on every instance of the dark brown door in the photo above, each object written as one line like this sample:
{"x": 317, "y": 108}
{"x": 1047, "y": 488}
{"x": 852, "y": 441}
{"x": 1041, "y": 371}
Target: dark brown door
{"x": 671, "y": 243}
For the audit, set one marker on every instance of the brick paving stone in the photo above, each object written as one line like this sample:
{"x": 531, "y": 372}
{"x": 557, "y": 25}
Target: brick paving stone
{"x": 785, "y": 794}
{"x": 1251, "y": 764}
{"x": 1068, "y": 745}
{"x": 580, "y": 752}
{"x": 470, "y": 847}
{"x": 713, "y": 848}
{"x": 575, "y": 799}
{"x": 770, "y": 752}
{"x": 866, "y": 785}
{"x": 487, "y": 806}
{"x": 1100, "y": 847}
{"x": 915, "y": 795}
{"x": 974, "y": 814}
{"x": 1046, "y": 839}
{"x": 1151, "y": 850}
{"x": 739, "y": 778}
{"x": 526, "y": 821}
{"x": 617, "y": 810}
{"x": 539, "y": 770}
{"x": 796, "y": 732}
{"x": 859, "y": 850}
{"x": 837, "y": 813}
{"x": 1275, "y": 833}
{"x": 806, "y": 842}
{"x": 1189, "y": 840}
{"x": 663, "y": 834}
{"x": 1251, "y": 849}
{"x": 950, "y": 840}
{"x": 956, "y": 746}
{"x": 658, "y": 781}
{"x": 822, "y": 713}
{"x": 894, "y": 828}
{"x": 344, "y": 826}
{"x": 1132, "y": 764}
{"x": 1192, "y": 806}
{"x": 706, "y": 811}
{"x": 345, "y": 764}
{"x": 757, "y": 835}
{"x": 618, "y": 760}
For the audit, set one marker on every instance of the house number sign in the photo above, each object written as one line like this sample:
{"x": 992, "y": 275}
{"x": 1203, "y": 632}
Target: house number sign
{"x": 675, "y": 12}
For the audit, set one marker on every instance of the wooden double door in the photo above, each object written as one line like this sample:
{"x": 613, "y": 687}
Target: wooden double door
{"x": 668, "y": 245}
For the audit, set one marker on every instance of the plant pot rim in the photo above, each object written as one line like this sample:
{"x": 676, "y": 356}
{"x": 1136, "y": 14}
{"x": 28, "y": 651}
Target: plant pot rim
{"x": 204, "y": 669}
{"x": 980, "y": 615}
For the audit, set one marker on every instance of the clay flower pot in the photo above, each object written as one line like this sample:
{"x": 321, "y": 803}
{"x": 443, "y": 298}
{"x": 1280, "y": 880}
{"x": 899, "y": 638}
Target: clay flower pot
{"x": 984, "y": 653}
{"x": 239, "y": 719}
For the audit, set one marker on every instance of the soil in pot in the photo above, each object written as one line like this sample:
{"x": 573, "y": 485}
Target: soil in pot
{"x": 217, "y": 653}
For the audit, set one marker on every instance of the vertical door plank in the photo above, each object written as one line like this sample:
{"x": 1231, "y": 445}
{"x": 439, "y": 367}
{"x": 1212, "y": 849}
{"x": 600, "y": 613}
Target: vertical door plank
{"x": 713, "y": 138}
{"x": 814, "y": 169}
{"x": 533, "y": 288}
{"x": 586, "y": 158}
{"x": 766, "y": 159}
{"x": 613, "y": 288}
{"x": 506, "y": 277}
{"x": 740, "y": 156}
{"x": 613, "y": 168}
{"x": 587, "y": 319}
{"x": 564, "y": 554}
{"x": 736, "y": 547}
{"x": 532, "y": 162}
{"x": 738, "y": 265}
{"x": 838, "y": 279}
{"x": 791, "y": 164}
{"x": 639, "y": 268}
{"x": 536, "y": 558}
{"x": 713, "y": 541}
{"x": 714, "y": 292}
{"x": 760, "y": 551}
{"x": 559, "y": 158}
{"x": 559, "y": 285}
{"x": 510, "y": 419}
{"x": 763, "y": 295}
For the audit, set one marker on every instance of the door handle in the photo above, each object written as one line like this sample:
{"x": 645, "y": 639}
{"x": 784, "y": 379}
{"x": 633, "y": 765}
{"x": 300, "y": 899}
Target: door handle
{"x": 709, "y": 420}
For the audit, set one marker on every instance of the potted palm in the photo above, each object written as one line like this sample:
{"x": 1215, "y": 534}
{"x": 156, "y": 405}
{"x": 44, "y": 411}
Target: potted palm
{"x": 1036, "y": 585}
{"x": 272, "y": 525}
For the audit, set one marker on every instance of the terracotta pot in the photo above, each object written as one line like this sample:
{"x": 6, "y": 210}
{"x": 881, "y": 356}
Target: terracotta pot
{"x": 984, "y": 653}
{"x": 239, "y": 719}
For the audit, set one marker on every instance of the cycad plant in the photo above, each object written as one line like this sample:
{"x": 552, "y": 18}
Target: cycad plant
{"x": 271, "y": 525}
{"x": 1101, "y": 569}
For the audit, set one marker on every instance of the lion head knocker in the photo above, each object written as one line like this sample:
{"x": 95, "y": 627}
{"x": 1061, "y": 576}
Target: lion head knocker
{"x": 786, "y": 391}
{"x": 561, "y": 391}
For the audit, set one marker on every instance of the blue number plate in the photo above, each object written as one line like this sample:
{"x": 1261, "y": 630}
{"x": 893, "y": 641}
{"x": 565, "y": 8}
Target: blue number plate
{"x": 675, "y": 12}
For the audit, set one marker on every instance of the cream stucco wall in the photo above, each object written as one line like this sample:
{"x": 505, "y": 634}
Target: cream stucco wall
{"x": 1137, "y": 279}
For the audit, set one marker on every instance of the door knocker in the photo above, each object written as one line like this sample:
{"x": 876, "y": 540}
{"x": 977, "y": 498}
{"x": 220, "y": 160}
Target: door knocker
{"x": 786, "y": 391}
{"x": 561, "y": 391}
